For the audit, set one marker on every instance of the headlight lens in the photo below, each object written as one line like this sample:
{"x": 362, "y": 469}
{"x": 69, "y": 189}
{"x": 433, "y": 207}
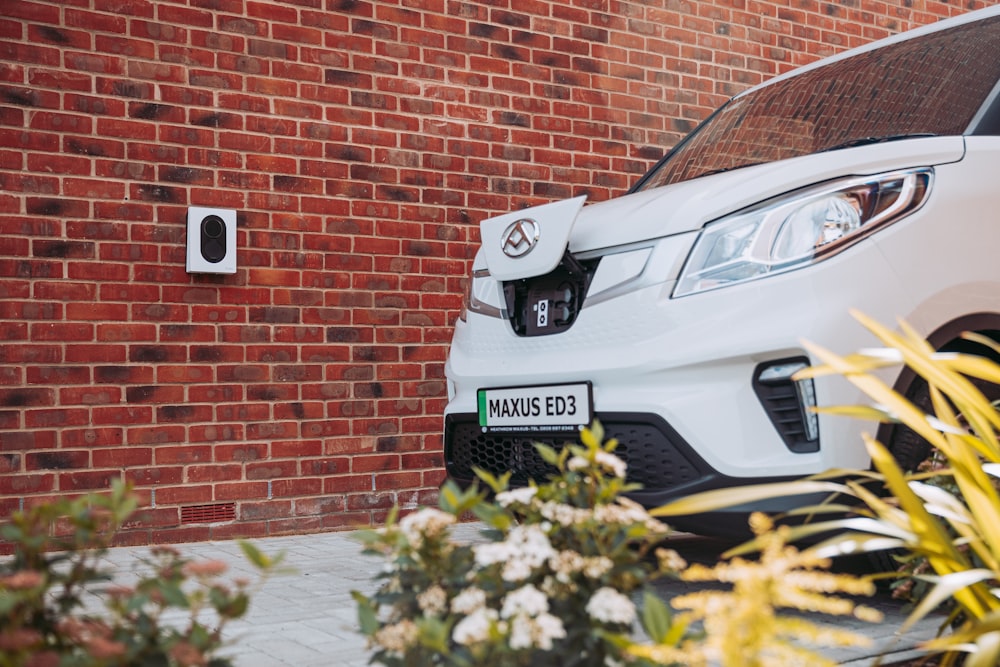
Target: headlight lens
{"x": 799, "y": 228}
{"x": 479, "y": 287}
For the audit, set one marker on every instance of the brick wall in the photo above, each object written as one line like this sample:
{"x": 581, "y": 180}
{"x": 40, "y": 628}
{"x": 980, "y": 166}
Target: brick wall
{"x": 361, "y": 143}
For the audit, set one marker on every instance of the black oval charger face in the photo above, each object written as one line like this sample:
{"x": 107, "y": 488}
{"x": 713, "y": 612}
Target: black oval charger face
{"x": 213, "y": 239}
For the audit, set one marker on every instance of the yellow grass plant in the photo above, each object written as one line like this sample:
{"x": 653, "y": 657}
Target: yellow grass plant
{"x": 755, "y": 623}
{"x": 949, "y": 518}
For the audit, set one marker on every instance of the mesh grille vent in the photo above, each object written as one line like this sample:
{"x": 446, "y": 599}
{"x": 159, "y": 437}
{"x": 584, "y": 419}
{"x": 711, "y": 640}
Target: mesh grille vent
{"x": 655, "y": 455}
{"x": 208, "y": 513}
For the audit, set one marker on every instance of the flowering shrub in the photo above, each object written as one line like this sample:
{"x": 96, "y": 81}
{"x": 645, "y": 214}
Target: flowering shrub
{"x": 58, "y": 546}
{"x": 551, "y": 582}
{"x": 555, "y": 578}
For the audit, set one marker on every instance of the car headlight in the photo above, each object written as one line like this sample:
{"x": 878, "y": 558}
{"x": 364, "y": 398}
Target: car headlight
{"x": 480, "y": 295}
{"x": 799, "y": 228}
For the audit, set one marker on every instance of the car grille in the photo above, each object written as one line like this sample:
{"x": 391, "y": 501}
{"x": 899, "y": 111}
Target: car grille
{"x": 657, "y": 458}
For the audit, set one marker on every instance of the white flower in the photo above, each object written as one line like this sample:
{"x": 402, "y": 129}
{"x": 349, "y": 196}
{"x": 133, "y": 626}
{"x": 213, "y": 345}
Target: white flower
{"x": 565, "y": 564}
{"x": 490, "y": 552}
{"x": 475, "y": 627}
{"x": 610, "y": 463}
{"x": 433, "y": 601}
{"x": 626, "y": 512}
{"x": 596, "y": 567}
{"x": 670, "y": 560}
{"x": 468, "y": 601}
{"x": 397, "y": 638}
{"x": 606, "y": 461}
{"x": 516, "y": 569}
{"x": 564, "y": 515}
{"x": 609, "y": 606}
{"x": 427, "y": 521}
{"x": 522, "y": 496}
{"x": 527, "y": 632}
{"x": 530, "y": 623}
{"x": 526, "y": 600}
{"x": 525, "y": 548}
{"x": 521, "y": 633}
{"x": 547, "y": 628}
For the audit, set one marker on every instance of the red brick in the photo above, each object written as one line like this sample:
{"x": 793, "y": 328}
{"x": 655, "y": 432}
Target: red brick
{"x": 91, "y": 437}
{"x": 324, "y": 466}
{"x": 185, "y": 494}
{"x": 215, "y": 433}
{"x": 155, "y": 476}
{"x": 21, "y": 484}
{"x": 105, "y": 353}
{"x": 146, "y": 517}
{"x": 214, "y": 473}
{"x": 121, "y": 415}
{"x": 319, "y": 505}
{"x": 272, "y": 469}
{"x": 399, "y": 480}
{"x": 215, "y": 393}
{"x": 271, "y": 509}
{"x": 240, "y": 491}
{"x": 241, "y": 452}
{"x": 126, "y": 457}
{"x": 86, "y": 480}
{"x": 192, "y": 533}
{"x": 346, "y": 484}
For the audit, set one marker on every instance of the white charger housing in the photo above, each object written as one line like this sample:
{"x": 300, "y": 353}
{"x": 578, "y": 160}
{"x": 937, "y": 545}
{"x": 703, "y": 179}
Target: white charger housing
{"x": 211, "y": 240}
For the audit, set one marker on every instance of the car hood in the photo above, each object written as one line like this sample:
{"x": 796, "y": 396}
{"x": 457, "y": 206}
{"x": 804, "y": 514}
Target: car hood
{"x": 689, "y": 205}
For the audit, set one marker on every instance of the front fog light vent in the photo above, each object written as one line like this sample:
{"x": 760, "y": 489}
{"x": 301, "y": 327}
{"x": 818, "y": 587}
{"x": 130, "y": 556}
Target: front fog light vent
{"x": 789, "y": 404}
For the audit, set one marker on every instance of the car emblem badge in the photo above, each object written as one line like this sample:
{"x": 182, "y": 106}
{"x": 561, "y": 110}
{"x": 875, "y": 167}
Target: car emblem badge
{"x": 520, "y": 238}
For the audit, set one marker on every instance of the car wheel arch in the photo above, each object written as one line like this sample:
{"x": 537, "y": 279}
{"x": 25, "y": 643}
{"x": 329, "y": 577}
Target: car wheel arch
{"x": 946, "y": 338}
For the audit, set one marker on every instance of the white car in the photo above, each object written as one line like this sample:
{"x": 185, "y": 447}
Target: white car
{"x": 675, "y": 314}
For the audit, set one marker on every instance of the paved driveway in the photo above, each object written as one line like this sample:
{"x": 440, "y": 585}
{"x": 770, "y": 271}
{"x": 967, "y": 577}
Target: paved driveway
{"x": 307, "y": 618}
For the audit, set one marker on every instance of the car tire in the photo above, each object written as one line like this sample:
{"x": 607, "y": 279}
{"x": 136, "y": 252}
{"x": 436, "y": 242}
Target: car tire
{"x": 911, "y": 451}
{"x": 907, "y": 447}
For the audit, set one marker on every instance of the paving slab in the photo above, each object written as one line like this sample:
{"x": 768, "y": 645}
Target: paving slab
{"x": 306, "y": 617}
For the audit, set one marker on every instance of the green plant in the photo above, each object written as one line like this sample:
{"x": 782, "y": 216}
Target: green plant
{"x": 945, "y": 519}
{"x": 45, "y": 622}
{"x": 550, "y": 582}
{"x": 555, "y": 578}
{"x": 743, "y": 626}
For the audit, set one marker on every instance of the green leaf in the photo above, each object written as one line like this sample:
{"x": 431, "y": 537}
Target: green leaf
{"x": 367, "y": 614}
{"x": 173, "y": 595}
{"x": 548, "y": 454}
{"x": 259, "y": 559}
{"x": 8, "y": 601}
{"x": 493, "y": 516}
{"x": 656, "y": 618}
{"x": 497, "y": 485}
{"x": 434, "y": 634}
{"x": 237, "y": 607}
{"x": 448, "y": 499}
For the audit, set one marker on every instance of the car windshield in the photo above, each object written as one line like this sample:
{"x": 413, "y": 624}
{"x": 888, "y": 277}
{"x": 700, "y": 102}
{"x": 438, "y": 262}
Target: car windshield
{"x": 929, "y": 86}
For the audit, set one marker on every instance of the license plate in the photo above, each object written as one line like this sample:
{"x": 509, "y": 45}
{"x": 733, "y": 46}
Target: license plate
{"x": 556, "y": 407}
